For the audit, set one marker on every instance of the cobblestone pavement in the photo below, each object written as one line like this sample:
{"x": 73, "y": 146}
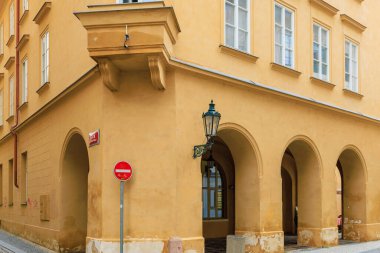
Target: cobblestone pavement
{"x": 13, "y": 244}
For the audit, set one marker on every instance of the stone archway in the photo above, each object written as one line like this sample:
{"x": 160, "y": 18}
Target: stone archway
{"x": 307, "y": 213}
{"x": 352, "y": 167}
{"x": 73, "y": 188}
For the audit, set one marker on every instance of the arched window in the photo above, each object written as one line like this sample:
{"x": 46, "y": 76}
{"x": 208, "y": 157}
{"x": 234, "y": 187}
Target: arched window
{"x": 213, "y": 187}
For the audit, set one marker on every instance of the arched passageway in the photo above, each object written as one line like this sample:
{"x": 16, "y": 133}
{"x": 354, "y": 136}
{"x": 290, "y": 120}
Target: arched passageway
{"x": 301, "y": 180}
{"x": 351, "y": 166}
{"x": 236, "y": 170}
{"x": 74, "y": 184}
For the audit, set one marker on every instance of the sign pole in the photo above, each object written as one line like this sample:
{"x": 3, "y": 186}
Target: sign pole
{"x": 121, "y": 216}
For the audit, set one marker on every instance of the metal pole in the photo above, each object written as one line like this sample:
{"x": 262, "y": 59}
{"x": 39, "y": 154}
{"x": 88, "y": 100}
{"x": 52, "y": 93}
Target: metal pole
{"x": 121, "y": 216}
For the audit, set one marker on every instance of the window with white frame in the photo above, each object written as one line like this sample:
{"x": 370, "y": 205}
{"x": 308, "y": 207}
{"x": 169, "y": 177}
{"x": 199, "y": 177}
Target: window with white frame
{"x": 25, "y": 5}
{"x": 11, "y": 96}
{"x": 1, "y": 109}
{"x": 45, "y": 58}
{"x": 1, "y": 39}
{"x": 284, "y": 36}
{"x": 351, "y": 66}
{"x": 236, "y": 30}
{"x": 24, "y": 80}
{"x": 321, "y": 52}
{"x": 11, "y": 20}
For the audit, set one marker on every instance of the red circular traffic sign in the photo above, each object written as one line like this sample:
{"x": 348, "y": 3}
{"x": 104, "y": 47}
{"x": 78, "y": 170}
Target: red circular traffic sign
{"x": 123, "y": 171}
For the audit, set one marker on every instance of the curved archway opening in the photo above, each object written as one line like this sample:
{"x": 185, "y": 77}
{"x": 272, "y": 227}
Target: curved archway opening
{"x": 74, "y": 184}
{"x": 301, "y": 184}
{"x": 353, "y": 200}
{"x": 236, "y": 160}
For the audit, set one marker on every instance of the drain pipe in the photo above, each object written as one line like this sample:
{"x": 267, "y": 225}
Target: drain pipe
{"x": 15, "y": 156}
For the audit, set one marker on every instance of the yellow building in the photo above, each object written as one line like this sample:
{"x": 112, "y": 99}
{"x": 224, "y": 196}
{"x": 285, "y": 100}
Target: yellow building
{"x": 297, "y": 86}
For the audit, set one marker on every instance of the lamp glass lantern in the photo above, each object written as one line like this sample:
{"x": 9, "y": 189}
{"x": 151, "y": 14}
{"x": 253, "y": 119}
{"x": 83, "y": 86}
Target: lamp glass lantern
{"x": 211, "y": 120}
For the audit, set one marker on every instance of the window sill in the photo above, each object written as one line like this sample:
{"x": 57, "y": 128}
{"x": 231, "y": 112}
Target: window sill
{"x": 23, "y": 16}
{"x": 45, "y": 8}
{"x": 9, "y": 62}
{"x": 238, "y": 53}
{"x": 285, "y": 70}
{"x": 321, "y": 82}
{"x": 23, "y": 105}
{"x": 353, "y": 93}
{"x": 43, "y": 87}
{"x": 10, "y": 118}
{"x": 11, "y": 38}
{"x": 215, "y": 220}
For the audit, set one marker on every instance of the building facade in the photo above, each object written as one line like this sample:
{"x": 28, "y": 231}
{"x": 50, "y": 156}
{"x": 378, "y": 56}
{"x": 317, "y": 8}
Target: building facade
{"x": 297, "y": 147}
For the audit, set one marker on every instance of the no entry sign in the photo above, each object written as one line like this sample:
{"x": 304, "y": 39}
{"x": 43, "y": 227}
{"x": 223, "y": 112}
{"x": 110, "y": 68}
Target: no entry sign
{"x": 123, "y": 171}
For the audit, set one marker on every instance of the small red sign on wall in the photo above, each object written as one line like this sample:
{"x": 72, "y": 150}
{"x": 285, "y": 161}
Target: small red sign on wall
{"x": 94, "y": 138}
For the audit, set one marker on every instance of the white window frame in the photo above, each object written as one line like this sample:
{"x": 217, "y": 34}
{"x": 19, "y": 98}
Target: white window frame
{"x": 350, "y": 85}
{"x": 45, "y": 54}
{"x": 1, "y": 108}
{"x": 283, "y": 32}
{"x": 318, "y": 60}
{"x": 24, "y": 81}
{"x": 236, "y": 27}
{"x": 11, "y": 96}
{"x": 11, "y": 20}
{"x": 25, "y": 5}
{"x": 1, "y": 38}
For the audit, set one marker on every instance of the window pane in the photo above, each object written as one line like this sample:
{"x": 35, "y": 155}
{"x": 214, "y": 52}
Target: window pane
{"x": 205, "y": 203}
{"x": 278, "y": 14}
{"x": 243, "y": 39}
{"x": 324, "y": 71}
{"x": 212, "y": 200}
{"x": 288, "y": 39}
{"x": 212, "y": 177}
{"x": 315, "y": 51}
{"x": 243, "y": 20}
{"x": 354, "y": 52}
{"x": 354, "y": 84}
{"x": 347, "y": 49}
{"x": 230, "y": 13}
{"x": 316, "y": 33}
{"x": 288, "y": 58}
{"x": 243, "y": 4}
{"x": 324, "y": 55}
{"x": 347, "y": 78}
{"x": 230, "y": 35}
{"x": 316, "y": 67}
{"x": 347, "y": 65}
{"x": 324, "y": 37}
{"x": 278, "y": 54}
{"x": 288, "y": 20}
{"x": 278, "y": 35}
{"x": 354, "y": 68}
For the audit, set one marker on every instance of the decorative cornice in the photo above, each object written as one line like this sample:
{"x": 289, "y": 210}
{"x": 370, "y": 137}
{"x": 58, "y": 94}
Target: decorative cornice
{"x": 352, "y": 22}
{"x": 45, "y": 8}
{"x": 24, "y": 39}
{"x": 9, "y": 62}
{"x": 110, "y": 74}
{"x": 157, "y": 72}
{"x": 325, "y": 6}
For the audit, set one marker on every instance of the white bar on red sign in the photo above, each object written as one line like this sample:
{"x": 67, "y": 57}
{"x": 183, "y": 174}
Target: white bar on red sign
{"x": 122, "y": 171}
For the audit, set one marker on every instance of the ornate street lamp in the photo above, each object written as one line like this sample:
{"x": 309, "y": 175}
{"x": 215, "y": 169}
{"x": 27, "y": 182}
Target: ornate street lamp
{"x": 211, "y": 120}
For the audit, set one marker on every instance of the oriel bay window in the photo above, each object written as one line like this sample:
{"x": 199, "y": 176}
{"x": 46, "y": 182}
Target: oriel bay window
{"x": 284, "y": 36}
{"x": 320, "y": 52}
{"x": 236, "y": 31}
{"x": 351, "y": 76}
{"x": 213, "y": 196}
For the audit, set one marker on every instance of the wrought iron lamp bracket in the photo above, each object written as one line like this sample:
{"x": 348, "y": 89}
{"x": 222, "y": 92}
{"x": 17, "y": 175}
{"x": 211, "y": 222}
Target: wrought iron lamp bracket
{"x": 200, "y": 150}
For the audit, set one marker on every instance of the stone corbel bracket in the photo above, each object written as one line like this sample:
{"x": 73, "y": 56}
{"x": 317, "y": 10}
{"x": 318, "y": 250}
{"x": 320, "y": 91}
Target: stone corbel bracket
{"x": 157, "y": 72}
{"x": 110, "y": 74}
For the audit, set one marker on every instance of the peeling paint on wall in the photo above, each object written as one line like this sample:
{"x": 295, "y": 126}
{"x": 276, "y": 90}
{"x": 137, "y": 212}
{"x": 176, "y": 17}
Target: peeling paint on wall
{"x": 305, "y": 237}
{"x": 148, "y": 246}
{"x": 329, "y": 236}
{"x": 253, "y": 242}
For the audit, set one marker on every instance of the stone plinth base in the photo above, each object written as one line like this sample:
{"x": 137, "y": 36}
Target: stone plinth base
{"x": 137, "y": 245}
{"x": 318, "y": 237}
{"x": 249, "y": 242}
